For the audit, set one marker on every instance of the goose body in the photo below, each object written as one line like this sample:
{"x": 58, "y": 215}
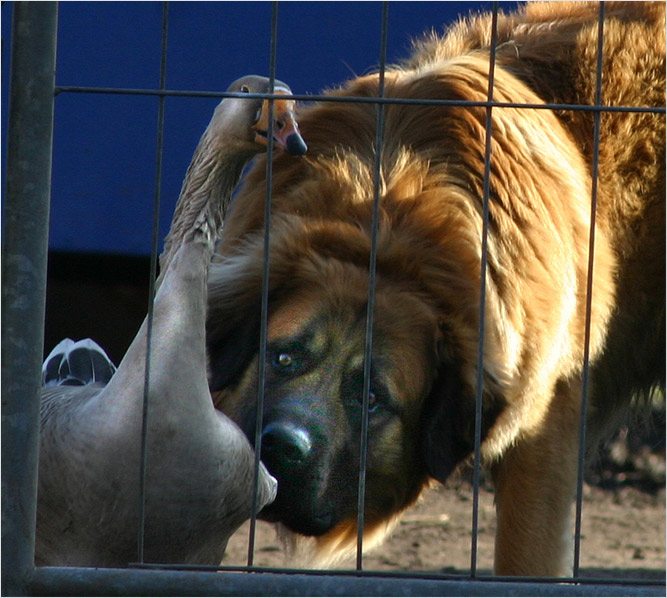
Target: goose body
{"x": 199, "y": 465}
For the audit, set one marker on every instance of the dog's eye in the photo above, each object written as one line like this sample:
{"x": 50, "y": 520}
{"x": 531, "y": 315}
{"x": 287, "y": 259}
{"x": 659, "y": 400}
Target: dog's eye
{"x": 352, "y": 392}
{"x": 289, "y": 359}
{"x": 373, "y": 402}
{"x": 284, "y": 360}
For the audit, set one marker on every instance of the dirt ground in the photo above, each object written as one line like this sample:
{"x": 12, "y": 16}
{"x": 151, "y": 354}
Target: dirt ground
{"x": 623, "y": 524}
{"x": 623, "y": 535}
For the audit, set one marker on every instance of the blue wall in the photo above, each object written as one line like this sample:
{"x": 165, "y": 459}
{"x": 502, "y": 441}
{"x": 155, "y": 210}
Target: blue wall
{"x": 104, "y": 146}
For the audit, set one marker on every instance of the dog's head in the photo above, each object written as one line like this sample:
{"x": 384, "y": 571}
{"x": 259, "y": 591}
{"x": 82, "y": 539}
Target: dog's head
{"x": 312, "y": 412}
{"x": 420, "y": 409}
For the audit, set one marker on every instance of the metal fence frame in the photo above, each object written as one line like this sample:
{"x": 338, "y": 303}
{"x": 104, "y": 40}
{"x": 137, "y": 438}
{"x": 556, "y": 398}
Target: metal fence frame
{"x": 23, "y": 300}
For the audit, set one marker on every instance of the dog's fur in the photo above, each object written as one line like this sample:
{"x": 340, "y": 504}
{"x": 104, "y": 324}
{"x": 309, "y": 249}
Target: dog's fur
{"x": 427, "y": 294}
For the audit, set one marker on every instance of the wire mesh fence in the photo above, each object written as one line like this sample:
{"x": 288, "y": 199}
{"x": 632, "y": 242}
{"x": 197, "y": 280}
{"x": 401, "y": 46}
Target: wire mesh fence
{"x": 33, "y": 44}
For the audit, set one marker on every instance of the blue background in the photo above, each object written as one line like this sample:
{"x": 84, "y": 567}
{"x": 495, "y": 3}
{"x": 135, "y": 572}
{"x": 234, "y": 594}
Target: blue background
{"x": 105, "y": 145}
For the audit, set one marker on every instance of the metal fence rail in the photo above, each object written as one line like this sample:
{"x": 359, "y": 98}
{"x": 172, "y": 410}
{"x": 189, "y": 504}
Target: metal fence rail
{"x": 131, "y": 582}
{"x": 23, "y": 290}
{"x": 24, "y": 254}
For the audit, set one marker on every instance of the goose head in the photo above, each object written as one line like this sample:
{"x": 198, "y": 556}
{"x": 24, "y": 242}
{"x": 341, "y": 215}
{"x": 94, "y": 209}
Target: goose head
{"x": 251, "y": 116}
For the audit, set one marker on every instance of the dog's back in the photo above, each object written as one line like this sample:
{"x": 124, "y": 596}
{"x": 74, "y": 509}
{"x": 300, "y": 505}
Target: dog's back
{"x": 552, "y": 47}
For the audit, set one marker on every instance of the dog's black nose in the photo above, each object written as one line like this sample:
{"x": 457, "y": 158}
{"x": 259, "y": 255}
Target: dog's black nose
{"x": 285, "y": 442}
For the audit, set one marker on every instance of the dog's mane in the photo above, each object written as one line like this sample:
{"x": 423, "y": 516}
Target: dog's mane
{"x": 431, "y": 185}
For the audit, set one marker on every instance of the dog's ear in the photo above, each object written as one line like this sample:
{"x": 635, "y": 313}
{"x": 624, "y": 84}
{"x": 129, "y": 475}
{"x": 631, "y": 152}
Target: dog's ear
{"x": 235, "y": 286}
{"x": 230, "y": 350}
{"x": 444, "y": 419}
{"x": 448, "y": 418}
{"x": 232, "y": 319}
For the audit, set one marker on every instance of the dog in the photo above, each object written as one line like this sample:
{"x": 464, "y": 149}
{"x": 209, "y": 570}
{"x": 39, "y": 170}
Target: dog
{"x": 423, "y": 367}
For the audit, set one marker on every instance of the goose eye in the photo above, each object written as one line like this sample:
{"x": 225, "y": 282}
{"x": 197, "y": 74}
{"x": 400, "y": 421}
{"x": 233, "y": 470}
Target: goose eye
{"x": 245, "y": 89}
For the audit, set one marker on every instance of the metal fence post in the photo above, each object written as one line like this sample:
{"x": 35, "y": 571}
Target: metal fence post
{"x": 24, "y": 257}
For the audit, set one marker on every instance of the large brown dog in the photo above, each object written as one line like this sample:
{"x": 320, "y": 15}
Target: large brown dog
{"x": 429, "y": 250}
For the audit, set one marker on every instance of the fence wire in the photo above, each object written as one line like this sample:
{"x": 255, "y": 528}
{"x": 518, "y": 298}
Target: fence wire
{"x": 264, "y": 317}
{"x": 19, "y": 574}
{"x": 589, "y": 296}
{"x": 155, "y": 244}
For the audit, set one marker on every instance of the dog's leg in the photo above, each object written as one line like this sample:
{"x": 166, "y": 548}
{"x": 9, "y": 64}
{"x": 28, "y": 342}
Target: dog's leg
{"x": 535, "y": 482}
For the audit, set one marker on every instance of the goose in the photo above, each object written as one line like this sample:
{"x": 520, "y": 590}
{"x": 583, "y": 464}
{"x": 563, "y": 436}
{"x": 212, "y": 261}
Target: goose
{"x": 199, "y": 465}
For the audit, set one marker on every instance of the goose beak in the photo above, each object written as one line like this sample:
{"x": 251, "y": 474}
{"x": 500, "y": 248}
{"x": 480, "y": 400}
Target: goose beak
{"x": 285, "y": 128}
